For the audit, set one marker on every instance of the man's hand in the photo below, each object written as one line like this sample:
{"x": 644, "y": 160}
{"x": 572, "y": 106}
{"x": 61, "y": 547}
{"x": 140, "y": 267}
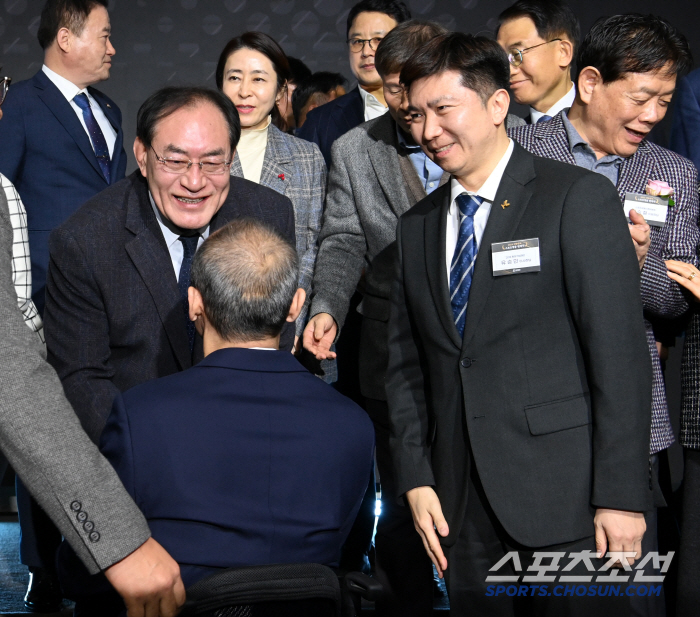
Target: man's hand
{"x": 427, "y": 516}
{"x": 149, "y": 582}
{"x": 617, "y": 531}
{"x": 641, "y": 236}
{"x": 319, "y": 335}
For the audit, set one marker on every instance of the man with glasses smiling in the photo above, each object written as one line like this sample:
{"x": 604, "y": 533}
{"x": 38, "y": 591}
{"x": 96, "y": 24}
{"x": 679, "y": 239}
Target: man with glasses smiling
{"x": 540, "y": 37}
{"x": 116, "y": 303}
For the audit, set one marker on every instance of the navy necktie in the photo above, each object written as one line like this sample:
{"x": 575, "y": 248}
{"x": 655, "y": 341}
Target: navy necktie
{"x": 189, "y": 248}
{"x": 544, "y": 118}
{"x": 96, "y": 136}
{"x": 462, "y": 267}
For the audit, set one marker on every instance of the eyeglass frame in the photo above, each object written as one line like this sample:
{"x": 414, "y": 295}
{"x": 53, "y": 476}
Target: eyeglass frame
{"x": 4, "y": 88}
{"x": 164, "y": 161}
{"x": 363, "y": 41}
{"x": 520, "y": 52}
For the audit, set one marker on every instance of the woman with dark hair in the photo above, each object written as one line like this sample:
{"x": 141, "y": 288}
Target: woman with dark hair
{"x": 253, "y": 72}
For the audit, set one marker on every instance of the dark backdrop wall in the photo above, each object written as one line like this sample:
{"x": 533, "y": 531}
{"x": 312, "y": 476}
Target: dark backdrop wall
{"x": 171, "y": 42}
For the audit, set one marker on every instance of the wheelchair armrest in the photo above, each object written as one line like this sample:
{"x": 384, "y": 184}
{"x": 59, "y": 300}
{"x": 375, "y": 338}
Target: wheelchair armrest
{"x": 365, "y": 586}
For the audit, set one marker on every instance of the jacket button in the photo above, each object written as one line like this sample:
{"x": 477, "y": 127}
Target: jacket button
{"x": 76, "y": 506}
{"x": 81, "y": 516}
{"x": 94, "y": 536}
{"x": 88, "y": 526}
{"x": 466, "y": 362}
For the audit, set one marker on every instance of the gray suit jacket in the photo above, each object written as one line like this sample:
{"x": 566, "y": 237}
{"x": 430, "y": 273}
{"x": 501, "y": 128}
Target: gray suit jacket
{"x": 368, "y": 189}
{"x": 41, "y": 436}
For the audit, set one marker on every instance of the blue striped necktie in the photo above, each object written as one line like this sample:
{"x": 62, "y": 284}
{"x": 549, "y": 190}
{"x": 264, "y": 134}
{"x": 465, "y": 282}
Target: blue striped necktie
{"x": 189, "y": 248}
{"x": 462, "y": 267}
{"x": 96, "y": 135}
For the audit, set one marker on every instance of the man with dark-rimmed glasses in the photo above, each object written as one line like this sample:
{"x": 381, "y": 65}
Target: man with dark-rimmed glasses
{"x": 540, "y": 38}
{"x": 116, "y": 302}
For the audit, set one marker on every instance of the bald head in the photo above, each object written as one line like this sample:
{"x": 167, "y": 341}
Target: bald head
{"x": 247, "y": 276}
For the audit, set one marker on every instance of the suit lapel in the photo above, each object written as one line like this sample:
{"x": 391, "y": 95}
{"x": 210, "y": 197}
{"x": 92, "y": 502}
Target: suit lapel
{"x": 554, "y": 140}
{"x": 500, "y": 227}
{"x": 350, "y": 111}
{"x": 276, "y": 168}
{"x": 435, "y": 244}
{"x": 62, "y": 110}
{"x": 384, "y": 157}
{"x": 150, "y": 256}
{"x": 635, "y": 171}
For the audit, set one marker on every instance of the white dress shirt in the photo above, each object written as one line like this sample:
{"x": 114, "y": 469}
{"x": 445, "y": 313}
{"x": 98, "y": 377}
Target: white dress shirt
{"x": 172, "y": 238}
{"x": 564, "y": 102}
{"x": 70, "y": 90}
{"x": 373, "y": 107}
{"x": 488, "y": 193}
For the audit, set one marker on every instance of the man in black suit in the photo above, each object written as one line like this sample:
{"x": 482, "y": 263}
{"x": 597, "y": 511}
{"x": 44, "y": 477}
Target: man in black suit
{"x": 519, "y": 381}
{"x": 116, "y": 305}
{"x": 368, "y": 23}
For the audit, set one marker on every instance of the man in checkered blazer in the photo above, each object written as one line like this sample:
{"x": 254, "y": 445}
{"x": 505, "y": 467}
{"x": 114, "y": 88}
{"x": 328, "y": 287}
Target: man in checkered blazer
{"x": 627, "y": 74}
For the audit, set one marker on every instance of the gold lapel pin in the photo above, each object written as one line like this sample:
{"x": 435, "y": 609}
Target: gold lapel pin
{"x": 505, "y": 204}
{"x": 108, "y": 106}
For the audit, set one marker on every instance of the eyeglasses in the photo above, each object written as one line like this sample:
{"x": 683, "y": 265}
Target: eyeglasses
{"x": 4, "y": 87}
{"x": 181, "y": 166}
{"x": 357, "y": 45}
{"x": 515, "y": 57}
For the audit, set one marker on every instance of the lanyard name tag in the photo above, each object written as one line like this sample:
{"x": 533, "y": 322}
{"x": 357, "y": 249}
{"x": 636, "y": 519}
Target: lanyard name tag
{"x": 515, "y": 257}
{"x": 653, "y": 209}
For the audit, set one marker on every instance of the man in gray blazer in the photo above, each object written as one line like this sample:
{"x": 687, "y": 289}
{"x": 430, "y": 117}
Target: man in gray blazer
{"x": 42, "y": 438}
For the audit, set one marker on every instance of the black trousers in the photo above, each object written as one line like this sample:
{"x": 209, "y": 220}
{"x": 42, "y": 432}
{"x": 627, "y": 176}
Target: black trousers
{"x": 482, "y": 543}
{"x": 402, "y": 565}
{"x": 688, "y": 593}
{"x": 39, "y": 537}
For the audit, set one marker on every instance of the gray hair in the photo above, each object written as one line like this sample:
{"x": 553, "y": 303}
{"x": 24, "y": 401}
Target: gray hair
{"x": 247, "y": 274}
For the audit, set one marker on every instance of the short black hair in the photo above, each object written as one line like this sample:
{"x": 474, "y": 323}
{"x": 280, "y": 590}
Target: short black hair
{"x": 481, "y": 62}
{"x": 634, "y": 43}
{"x": 167, "y": 101}
{"x": 552, "y": 18}
{"x": 268, "y": 47}
{"x": 298, "y": 71}
{"x": 402, "y": 42}
{"x": 321, "y": 82}
{"x": 395, "y": 9}
{"x": 247, "y": 274}
{"x": 71, "y": 14}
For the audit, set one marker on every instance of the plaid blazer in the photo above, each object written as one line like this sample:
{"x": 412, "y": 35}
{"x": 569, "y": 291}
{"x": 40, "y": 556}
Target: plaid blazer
{"x": 295, "y": 168}
{"x": 678, "y": 239}
{"x": 21, "y": 262}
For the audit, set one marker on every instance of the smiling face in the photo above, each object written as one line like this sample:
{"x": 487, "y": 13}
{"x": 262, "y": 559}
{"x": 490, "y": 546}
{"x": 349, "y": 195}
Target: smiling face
{"x": 89, "y": 56}
{"x": 368, "y": 25}
{"x": 454, "y": 127}
{"x": 619, "y": 115}
{"x": 200, "y": 133}
{"x": 250, "y": 81}
{"x": 543, "y": 77}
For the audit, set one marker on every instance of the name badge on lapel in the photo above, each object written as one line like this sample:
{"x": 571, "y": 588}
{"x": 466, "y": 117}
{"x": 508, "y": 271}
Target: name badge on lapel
{"x": 653, "y": 209}
{"x": 515, "y": 257}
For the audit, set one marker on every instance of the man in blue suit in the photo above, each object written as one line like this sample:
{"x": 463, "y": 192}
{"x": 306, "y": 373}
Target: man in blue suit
{"x": 61, "y": 145}
{"x": 245, "y": 458}
{"x": 62, "y": 141}
{"x": 368, "y": 22}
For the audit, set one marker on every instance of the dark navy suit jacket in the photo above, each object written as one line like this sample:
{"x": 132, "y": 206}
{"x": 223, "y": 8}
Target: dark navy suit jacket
{"x": 328, "y": 122}
{"x": 47, "y": 155}
{"x": 685, "y": 131}
{"x": 243, "y": 459}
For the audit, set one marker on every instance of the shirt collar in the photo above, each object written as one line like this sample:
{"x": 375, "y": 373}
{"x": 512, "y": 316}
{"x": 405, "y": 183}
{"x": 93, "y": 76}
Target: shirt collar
{"x": 576, "y": 140}
{"x": 490, "y": 187}
{"x": 403, "y": 142}
{"x": 563, "y": 103}
{"x": 169, "y": 234}
{"x": 67, "y": 88}
{"x": 369, "y": 100}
